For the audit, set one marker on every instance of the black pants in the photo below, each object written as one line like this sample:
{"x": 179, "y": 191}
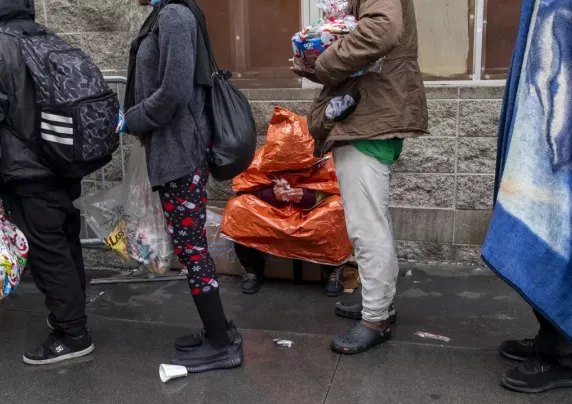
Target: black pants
{"x": 551, "y": 345}
{"x": 252, "y": 260}
{"x": 52, "y": 226}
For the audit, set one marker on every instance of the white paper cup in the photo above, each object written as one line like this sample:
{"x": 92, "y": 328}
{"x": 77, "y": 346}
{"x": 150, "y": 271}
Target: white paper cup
{"x": 168, "y": 372}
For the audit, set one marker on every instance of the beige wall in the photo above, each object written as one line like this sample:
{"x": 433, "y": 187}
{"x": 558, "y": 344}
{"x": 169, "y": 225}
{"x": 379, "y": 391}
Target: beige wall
{"x": 443, "y": 36}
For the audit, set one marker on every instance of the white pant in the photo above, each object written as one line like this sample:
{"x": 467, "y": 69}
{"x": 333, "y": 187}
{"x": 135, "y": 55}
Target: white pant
{"x": 364, "y": 183}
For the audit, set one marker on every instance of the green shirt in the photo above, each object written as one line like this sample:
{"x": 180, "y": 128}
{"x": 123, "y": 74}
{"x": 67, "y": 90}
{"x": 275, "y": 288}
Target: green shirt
{"x": 387, "y": 151}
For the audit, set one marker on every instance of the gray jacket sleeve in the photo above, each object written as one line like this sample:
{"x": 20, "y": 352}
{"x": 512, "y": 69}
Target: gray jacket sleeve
{"x": 177, "y": 38}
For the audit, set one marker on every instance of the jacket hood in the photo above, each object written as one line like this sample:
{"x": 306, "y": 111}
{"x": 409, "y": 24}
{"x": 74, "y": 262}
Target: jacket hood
{"x": 11, "y": 9}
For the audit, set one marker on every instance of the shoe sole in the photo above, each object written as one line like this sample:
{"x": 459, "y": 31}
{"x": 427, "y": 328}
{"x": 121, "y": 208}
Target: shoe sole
{"x": 508, "y": 383}
{"x": 357, "y": 316}
{"x": 49, "y": 324}
{"x": 221, "y": 365}
{"x": 336, "y": 294}
{"x": 251, "y": 292}
{"x": 73, "y": 355}
{"x": 512, "y": 357}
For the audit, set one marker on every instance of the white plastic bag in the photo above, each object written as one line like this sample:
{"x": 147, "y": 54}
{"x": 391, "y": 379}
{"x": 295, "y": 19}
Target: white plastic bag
{"x": 129, "y": 218}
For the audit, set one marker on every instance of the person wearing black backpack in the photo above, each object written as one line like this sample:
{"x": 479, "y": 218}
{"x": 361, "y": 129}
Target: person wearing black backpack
{"x": 40, "y": 202}
{"x": 166, "y": 108}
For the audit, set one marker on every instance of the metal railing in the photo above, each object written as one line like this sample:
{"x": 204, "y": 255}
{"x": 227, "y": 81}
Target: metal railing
{"x": 117, "y": 84}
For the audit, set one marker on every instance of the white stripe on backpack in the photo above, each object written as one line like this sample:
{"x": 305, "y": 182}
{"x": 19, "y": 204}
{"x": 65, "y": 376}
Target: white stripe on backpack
{"x": 58, "y": 129}
{"x": 57, "y": 118}
{"x": 56, "y": 139}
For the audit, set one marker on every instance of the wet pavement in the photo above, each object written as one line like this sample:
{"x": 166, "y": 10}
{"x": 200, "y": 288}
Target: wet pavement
{"x": 134, "y": 325}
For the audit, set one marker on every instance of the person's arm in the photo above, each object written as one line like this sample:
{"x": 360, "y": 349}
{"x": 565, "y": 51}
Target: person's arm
{"x": 308, "y": 200}
{"x": 378, "y": 32}
{"x": 267, "y": 195}
{"x": 177, "y": 47}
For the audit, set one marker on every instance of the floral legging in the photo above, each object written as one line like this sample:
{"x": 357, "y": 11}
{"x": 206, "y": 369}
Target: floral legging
{"x": 185, "y": 207}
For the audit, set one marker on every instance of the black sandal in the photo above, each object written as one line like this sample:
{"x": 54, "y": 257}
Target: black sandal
{"x": 360, "y": 339}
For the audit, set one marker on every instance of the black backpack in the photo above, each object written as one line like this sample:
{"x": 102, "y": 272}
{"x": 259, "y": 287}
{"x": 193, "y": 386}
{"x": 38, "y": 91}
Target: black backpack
{"x": 77, "y": 112}
{"x": 234, "y": 130}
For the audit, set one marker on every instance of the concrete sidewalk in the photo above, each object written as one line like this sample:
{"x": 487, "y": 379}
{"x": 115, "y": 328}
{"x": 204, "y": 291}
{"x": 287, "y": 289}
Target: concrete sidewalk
{"x": 134, "y": 325}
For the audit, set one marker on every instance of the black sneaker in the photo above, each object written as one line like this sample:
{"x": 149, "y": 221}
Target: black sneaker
{"x": 206, "y": 357}
{"x": 60, "y": 347}
{"x": 536, "y": 376}
{"x": 190, "y": 342}
{"x": 335, "y": 285}
{"x": 518, "y": 350}
{"x": 251, "y": 284}
{"x": 353, "y": 311}
{"x": 360, "y": 339}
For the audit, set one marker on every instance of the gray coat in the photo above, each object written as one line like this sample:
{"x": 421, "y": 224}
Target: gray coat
{"x": 170, "y": 113}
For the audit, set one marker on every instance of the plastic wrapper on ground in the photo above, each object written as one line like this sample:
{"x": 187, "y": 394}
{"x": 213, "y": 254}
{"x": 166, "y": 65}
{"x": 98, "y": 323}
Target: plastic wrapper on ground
{"x": 316, "y": 235}
{"x": 13, "y": 256}
{"x": 129, "y": 218}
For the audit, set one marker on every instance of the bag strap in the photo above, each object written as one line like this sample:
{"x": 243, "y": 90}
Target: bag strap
{"x": 201, "y": 22}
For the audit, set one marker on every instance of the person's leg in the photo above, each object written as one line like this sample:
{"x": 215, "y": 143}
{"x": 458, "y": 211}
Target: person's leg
{"x": 252, "y": 261}
{"x": 73, "y": 230}
{"x": 184, "y": 204}
{"x": 42, "y": 218}
{"x": 551, "y": 345}
{"x": 335, "y": 285}
{"x": 550, "y": 369}
{"x": 364, "y": 184}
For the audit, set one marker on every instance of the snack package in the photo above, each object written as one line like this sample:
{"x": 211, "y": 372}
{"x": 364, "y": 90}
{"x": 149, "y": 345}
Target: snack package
{"x": 129, "y": 218}
{"x": 13, "y": 255}
{"x": 312, "y": 41}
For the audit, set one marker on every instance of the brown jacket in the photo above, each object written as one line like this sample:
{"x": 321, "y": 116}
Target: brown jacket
{"x": 393, "y": 102}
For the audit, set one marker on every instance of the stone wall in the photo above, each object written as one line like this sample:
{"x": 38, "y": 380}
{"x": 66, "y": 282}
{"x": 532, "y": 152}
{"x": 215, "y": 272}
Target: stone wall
{"x": 104, "y": 28}
{"x": 442, "y": 187}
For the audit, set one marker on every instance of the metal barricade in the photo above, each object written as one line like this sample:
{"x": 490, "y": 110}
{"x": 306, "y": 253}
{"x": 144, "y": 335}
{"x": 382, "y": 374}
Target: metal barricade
{"x": 118, "y": 84}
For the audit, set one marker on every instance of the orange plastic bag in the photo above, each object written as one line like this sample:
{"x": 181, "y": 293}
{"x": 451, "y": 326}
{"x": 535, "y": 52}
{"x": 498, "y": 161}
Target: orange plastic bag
{"x": 318, "y": 235}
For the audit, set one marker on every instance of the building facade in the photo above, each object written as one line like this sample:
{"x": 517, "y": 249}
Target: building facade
{"x": 442, "y": 187}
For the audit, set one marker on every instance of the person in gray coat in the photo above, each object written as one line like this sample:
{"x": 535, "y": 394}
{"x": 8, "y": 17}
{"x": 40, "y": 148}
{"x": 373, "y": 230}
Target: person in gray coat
{"x": 169, "y": 79}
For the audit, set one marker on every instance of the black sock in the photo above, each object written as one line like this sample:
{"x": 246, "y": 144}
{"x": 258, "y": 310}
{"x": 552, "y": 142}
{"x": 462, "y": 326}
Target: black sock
{"x": 212, "y": 315}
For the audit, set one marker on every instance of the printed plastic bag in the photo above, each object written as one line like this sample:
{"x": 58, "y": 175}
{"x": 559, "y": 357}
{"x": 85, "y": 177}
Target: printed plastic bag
{"x": 13, "y": 255}
{"x": 312, "y": 41}
{"x": 129, "y": 218}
